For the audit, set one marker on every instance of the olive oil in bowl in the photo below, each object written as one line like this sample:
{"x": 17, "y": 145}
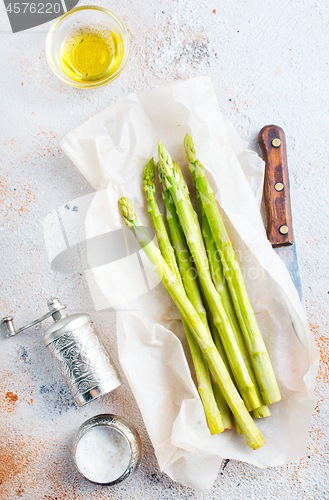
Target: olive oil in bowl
{"x": 87, "y": 47}
{"x": 92, "y": 54}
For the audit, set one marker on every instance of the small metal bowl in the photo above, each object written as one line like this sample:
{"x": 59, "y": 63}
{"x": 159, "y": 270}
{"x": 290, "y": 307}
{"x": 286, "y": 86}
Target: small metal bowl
{"x": 125, "y": 429}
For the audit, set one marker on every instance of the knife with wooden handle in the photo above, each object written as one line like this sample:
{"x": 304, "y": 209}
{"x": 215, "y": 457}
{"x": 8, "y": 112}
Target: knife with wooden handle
{"x": 272, "y": 141}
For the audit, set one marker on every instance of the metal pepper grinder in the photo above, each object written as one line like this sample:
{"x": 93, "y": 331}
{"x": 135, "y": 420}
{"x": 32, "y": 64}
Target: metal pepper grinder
{"x": 77, "y": 351}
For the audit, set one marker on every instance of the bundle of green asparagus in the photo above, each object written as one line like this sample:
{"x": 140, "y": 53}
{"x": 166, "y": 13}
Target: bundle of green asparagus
{"x": 199, "y": 269}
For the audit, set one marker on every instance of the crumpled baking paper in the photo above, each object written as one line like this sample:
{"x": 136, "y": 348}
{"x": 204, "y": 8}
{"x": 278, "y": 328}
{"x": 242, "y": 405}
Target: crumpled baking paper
{"x": 111, "y": 150}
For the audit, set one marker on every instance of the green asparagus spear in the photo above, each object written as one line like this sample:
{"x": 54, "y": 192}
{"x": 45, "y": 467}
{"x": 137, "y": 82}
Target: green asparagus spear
{"x": 257, "y": 350}
{"x": 216, "y": 270}
{"x": 204, "y": 382}
{"x": 195, "y": 243}
{"x": 226, "y": 415}
{"x": 253, "y": 436}
{"x": 153, "y": 209}
{"x": 218, "y": 278}
{"x": 206, "y": 389}
{"x": 187, "y": 270}
{"x": 190, "y": 284}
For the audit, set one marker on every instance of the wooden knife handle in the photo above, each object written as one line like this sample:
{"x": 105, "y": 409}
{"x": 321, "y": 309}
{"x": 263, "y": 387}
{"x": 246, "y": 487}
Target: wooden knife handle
{"x": 276, "y": 186}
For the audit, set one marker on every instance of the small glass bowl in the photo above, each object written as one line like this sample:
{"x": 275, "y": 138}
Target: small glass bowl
{"x": 82, "y": 17}
{"x": 126, "y": 430}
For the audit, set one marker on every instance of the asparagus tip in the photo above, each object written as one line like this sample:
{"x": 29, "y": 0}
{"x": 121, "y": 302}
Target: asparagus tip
{"x": 165, "y": 165}
{"x": 188, "y": 139}
{"x": 162, "y": 151}
{"x": 180, "y": 177}
{"x": 127, "y": 210}
{"x": 189, "y": 148}
{"x": 149, "y": 177}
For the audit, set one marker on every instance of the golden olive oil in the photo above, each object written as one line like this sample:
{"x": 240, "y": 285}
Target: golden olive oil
{"x": 92, "y": 54}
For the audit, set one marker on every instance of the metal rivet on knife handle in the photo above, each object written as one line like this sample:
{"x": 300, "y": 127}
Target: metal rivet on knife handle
{"x": 276, "y": 142}
{"x": 283, "y": 229}
{"x": 279, "y": 186}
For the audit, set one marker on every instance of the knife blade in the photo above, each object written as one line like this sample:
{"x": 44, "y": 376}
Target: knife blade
{"x": 272, "y": 141}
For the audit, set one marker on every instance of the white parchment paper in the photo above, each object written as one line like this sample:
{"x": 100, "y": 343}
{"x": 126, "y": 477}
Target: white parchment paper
{"x": 111, "y": 150}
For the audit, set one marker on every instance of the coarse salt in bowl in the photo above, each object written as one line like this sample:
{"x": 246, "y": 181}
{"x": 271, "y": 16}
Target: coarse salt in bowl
{"x": 107, "y": 449}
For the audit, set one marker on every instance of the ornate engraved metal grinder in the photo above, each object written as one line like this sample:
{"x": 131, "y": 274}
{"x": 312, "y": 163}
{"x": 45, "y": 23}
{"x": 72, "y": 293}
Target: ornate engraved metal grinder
{"x": 78, "y": 352}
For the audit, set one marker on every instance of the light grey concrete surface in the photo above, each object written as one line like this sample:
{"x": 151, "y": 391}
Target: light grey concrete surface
{"x": 269, "y": 64}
